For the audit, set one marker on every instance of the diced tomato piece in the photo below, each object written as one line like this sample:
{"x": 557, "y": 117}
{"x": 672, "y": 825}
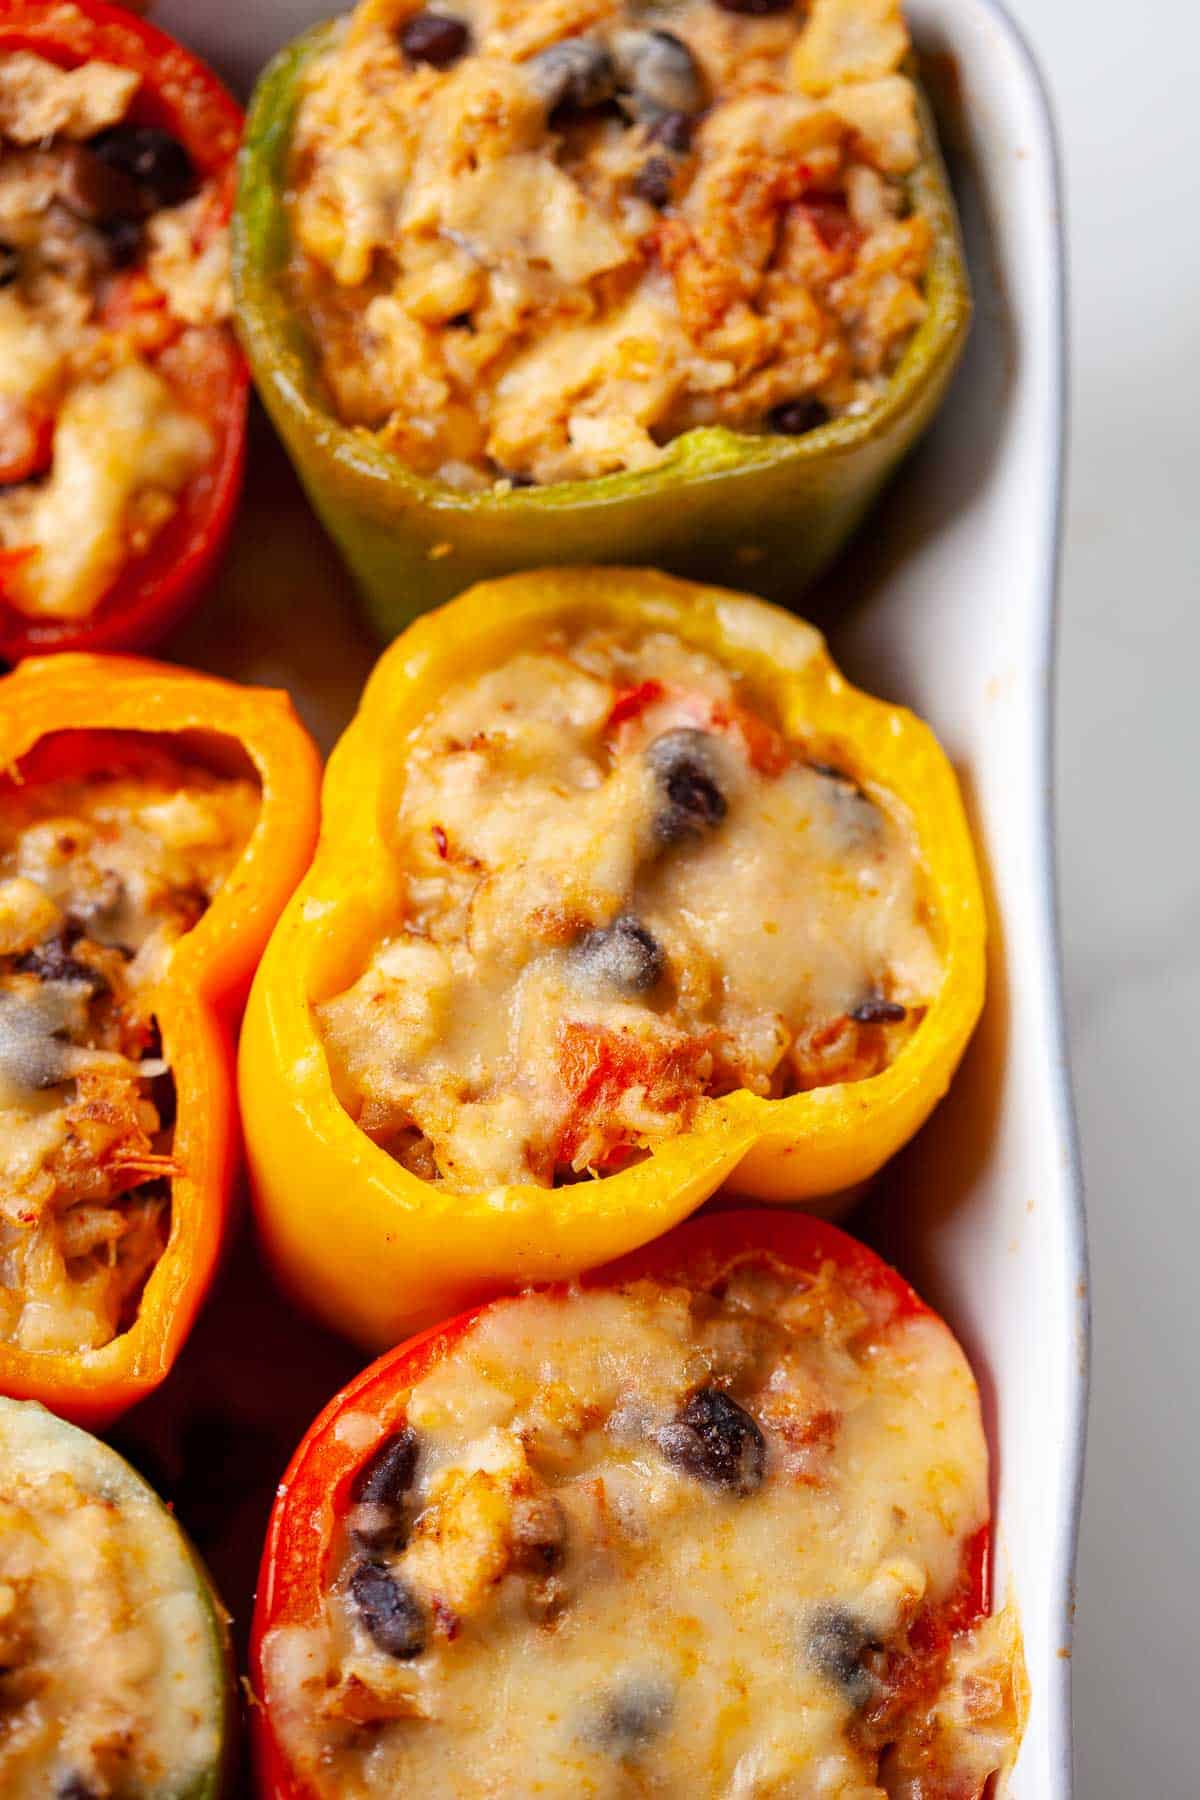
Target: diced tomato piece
{"x": 135, "y": 309}
{"x": 11, "y": 561}
{"x": 830, "y": 218}
{"x": 598, "y": 1067}
{"x": 631, "y": 703}
{"x": 766, "y": 749}
{"x": 26, "y": 439}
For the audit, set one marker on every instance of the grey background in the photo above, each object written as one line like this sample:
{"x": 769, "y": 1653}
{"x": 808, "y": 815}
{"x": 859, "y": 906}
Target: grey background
{"x": 1125, "y": 92}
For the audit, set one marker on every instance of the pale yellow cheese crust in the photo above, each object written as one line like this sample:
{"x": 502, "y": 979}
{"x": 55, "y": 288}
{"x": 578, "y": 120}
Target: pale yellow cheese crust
{"x": 581, "y": 961}
{"x": 106, "y": 345}
{"x": 508, "y": 288}
{"x": 99, "y": 878}
{"x": 589, "y": 1602}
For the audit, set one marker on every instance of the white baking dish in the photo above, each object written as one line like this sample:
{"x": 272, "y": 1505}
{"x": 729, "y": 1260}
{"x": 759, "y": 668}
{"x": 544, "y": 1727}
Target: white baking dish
{"x": 947, "y": 603}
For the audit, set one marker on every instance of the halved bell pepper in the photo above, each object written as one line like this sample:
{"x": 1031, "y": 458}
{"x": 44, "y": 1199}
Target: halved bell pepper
{"x": 179, "y": 94}
{"x": 318, "y": 1490}
{"x": 142, "y": 1565}
{"x": 376, "y": 1250}
{"x": 722, "y": 506}
{"x": 55, "y": 714}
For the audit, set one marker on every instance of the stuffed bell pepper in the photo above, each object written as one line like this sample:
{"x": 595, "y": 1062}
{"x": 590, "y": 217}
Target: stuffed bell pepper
{"x": 115, "y": 1676}
{"x": 152, "y": 823}
{"x": 122, "y": 390}
{"x": 586, "y": 281}
{"x": 714, "y": 1522}
{"x": 622, "y": 888}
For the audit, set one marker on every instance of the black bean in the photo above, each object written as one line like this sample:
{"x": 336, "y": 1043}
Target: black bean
{"x": 633, "y": 1716}
{"x": 755, "y": 9}
{"x": 379, "y": 1490}
{"x": 875, "y": 1010}
{"x": 122, "y": 242}
{"x": 792, "y": 418}
{"x": 387, "y": 1475}
{"x": 658, "y": 73}
{"x": 623, "y": 955}
{"x": 438, "y": 39}
{"x": 856, "y": 813}
{"x": 834, "y": 1645}
{"x": 95, "y": 188}
{"x": 10, "y": 264}
{"x": 539, "y": 1535}
{"x": 716, "y": 1440}
{"x": 52, "y": 961}
{"x": 33, "y": 1035}
{"x": 685, "y": 766}
{"x": 157, "y": 162}
{"x": 577, "y": 73}
{"x": 654, "y": 181}
{"x": 674, "y": 132}
{"x": 389, "y": 1609}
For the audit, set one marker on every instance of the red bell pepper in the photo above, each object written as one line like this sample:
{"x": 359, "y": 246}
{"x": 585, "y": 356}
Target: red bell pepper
{"x": 315, "y": 1493}
{"x": 179, "y": 94}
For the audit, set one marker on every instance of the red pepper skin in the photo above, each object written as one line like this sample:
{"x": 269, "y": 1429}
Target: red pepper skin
{"x": 183, "y": 96}
{"x": 315, "y": 1490}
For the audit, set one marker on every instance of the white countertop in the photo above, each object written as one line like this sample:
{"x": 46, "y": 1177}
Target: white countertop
{"x": 1129, "y": 860}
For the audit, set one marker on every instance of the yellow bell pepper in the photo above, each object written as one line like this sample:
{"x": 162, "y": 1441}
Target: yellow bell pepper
{"x": 374, "y": 1249}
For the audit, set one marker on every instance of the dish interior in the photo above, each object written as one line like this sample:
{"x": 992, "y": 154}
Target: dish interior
{"x": 946, "y": 603}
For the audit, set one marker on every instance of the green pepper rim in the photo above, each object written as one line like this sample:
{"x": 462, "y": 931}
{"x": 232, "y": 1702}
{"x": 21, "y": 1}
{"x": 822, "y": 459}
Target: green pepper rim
{"x": 281, "y": 354}
{"x": 214, "y": 1780}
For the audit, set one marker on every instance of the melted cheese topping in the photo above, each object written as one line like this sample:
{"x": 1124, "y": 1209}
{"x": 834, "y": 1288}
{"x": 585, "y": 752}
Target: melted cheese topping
{"x": 109, "y": 1683}
{"x": 99, "y": 879}
{"x": 625, "y": 892}
{"x": 110, "y": 322}
{"x": 582, "y": 1593}
{"x": 711, "y": 225}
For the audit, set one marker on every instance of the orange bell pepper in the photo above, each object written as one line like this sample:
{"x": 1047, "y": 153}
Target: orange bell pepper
{"x": 55, "y": 717}
{"x": 374, "y": 1249}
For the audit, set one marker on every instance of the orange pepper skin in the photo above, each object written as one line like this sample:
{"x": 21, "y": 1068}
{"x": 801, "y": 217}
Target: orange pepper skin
{"x": 315, "y": 1493}
{"x": 198, "y": 1003}
{"x": 374, "y": 1250}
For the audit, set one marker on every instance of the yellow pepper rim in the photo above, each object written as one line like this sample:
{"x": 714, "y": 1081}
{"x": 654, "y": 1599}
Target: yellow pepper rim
{"x": 317, "y": 945}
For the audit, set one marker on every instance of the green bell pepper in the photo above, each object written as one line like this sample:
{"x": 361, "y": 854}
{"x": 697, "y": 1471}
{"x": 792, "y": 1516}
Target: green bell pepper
{"x": 723, "y": 505}
{"x": 190, "y": 1685}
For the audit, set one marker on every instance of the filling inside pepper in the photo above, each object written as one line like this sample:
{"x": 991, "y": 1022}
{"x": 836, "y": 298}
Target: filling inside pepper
{"x": 114, "y": 292}
{"x": 623, "y": 891}
{"x": 101, "y": 874}
{"x": 535, "y": 242}
{"x": 705, "y": 1540}
{"x": 108, "y": 1678}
